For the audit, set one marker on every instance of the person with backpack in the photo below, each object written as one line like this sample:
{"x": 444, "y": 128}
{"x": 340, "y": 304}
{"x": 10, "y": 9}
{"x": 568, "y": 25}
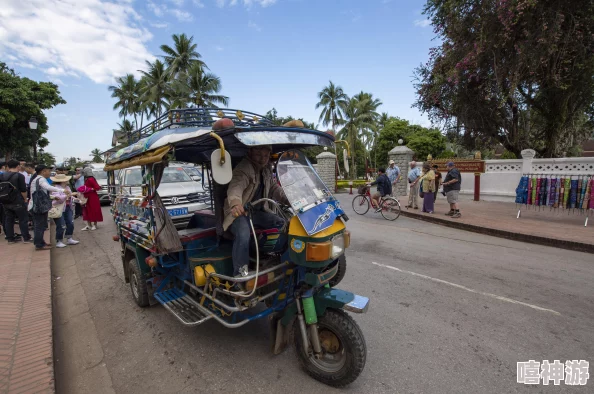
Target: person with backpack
{"x": 13, "y": 196}
{"x": 40, "y": 204}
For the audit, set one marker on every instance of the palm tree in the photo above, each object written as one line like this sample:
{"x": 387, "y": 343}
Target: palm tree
{"x": 155, "y": 87}
{"x": 358, "y": 117}
{"x": 127, "y": 94}
{"x": 379, "y": 126}
{"x": 369, "y": 133}
{"x": 333, "y": 101}
{"x": 182, "y": 55}
{"x": 96, "y": 154}
{"x": 204, "y": 88}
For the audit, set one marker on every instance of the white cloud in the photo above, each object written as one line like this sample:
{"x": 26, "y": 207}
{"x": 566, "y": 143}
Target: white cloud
{"x": 182, "y": 16}
{"x": 162, "y": 25}
{"x": 198, "y": 3}
{"x": 247, "y": 3}
{"x": 155, "y": 8}
{"x": 93, "y": 38}
{"x": 254, "y": 26}
{"x": 219, "y": 48}
{"x": 178, "y": 3}
{"x": 422, "y": 22}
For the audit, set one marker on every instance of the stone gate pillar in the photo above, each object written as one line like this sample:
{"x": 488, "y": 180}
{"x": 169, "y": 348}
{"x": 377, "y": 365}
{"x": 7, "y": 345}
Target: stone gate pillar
{"x": 326, "y": 168}
{"x": 527, "y": 156}
{"x": 402, "y": 155}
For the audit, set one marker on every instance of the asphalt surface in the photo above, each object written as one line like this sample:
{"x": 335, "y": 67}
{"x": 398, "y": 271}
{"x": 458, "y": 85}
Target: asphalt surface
{"x": 451, "y": 312}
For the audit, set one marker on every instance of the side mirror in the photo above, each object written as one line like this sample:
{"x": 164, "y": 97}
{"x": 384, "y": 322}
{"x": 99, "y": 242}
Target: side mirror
{"x": 222, "y": 172}
{"x": 196, "y": 178}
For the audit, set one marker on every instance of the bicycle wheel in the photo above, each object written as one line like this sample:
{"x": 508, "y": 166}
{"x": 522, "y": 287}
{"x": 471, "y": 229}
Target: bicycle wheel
{"x": 360, "y": 204}
{"x": 390, "y": 209}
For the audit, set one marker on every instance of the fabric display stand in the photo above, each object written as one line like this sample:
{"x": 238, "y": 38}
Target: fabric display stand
{"x": 558, "y": 192}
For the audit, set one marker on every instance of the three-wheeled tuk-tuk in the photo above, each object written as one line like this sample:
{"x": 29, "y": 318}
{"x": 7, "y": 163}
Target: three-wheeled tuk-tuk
{"x": 293, "y": 269}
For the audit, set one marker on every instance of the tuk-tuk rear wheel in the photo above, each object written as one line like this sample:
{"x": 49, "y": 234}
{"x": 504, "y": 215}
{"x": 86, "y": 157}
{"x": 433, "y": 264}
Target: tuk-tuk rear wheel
{"x": 138, "y": 284}
{"x": 343, "y": 350}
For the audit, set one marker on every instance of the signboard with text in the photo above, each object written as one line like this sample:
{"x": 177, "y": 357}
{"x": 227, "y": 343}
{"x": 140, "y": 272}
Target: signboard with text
{"x": 468, "y": 165}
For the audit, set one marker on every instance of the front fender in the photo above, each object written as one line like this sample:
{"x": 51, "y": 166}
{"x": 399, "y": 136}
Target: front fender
{"x": 331, "y": 298}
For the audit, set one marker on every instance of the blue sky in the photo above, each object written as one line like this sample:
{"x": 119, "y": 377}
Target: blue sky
{"x": 268, "y": 53}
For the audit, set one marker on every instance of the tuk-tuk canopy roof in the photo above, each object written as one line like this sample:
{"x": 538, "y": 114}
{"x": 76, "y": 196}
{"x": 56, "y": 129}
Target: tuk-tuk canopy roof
{"x": 187, "y": 133}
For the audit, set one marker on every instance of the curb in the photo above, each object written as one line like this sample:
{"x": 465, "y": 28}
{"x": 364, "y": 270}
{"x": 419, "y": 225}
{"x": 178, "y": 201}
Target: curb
{"x": 534, "y": 239}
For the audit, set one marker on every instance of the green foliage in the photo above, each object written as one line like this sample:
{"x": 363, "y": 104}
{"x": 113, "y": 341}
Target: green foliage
{"x": 518, "y": 73}
{"x": 421, "y": 140}
{"x": 506, "y": 155}
{"x": 446, "y": 154}
{"x": 46, "y": 158}
{"x": 20, "y": 99}
{"x": 342, "y": 184}
{"x": 96, "y": 155}
{"x": 333, "y": 101}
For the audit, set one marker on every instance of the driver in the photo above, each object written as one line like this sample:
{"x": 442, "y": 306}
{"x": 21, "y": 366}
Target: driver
{"x": 252, "y": 180}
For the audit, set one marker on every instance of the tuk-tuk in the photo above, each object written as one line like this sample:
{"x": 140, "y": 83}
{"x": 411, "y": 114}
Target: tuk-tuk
{"x": 293, "y": 270}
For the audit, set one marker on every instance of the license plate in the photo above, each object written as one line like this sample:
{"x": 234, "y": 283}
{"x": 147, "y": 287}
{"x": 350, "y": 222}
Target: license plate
{"x": 178, "y": 211}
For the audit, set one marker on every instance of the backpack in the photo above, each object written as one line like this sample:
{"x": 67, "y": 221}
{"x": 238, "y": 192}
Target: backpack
{"x": 8, "y": 193}
{"x": 41, "y": 200}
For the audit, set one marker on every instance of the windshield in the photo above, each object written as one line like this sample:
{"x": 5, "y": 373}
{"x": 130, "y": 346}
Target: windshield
{"x": 193, "y": 171}
{"x": 99, "y": 174}
{"x": 299, "y": 180}
{"x": 170, "y": 175}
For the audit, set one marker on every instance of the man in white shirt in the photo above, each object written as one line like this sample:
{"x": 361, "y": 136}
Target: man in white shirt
{"x": 23, "y": 171}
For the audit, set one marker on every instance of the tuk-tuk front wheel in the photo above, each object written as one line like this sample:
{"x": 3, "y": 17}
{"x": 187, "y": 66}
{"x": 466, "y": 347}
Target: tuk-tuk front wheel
{"x": 341, "y": 272}
{"x": 343, "y": 349}
{"x": 138, "y": 284}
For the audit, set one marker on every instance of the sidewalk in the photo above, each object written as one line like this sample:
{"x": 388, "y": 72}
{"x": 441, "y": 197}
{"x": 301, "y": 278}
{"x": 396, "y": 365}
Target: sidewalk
{"x": 561, "y": 229}
{"x": 26, "y": 346}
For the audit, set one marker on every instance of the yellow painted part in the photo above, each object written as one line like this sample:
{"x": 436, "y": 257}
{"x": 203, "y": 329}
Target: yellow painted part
{"x": 296, "y": 228}
{"x": 282, "y": 296}
{"x": 201, "y": 272}
{"x": 273, "y": 236}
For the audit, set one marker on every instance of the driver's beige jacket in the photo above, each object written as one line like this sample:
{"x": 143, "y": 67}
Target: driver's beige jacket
{"x": 243, "y": 187}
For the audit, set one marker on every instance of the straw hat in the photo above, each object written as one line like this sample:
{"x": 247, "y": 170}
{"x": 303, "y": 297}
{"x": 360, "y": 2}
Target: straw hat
{"x": 59, "y": 178}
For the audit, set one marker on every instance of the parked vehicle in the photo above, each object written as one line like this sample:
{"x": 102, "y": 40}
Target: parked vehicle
{"x": 181, "y": 195}
{"x": 294, "y": 270}
{"x": 101, "y": 177}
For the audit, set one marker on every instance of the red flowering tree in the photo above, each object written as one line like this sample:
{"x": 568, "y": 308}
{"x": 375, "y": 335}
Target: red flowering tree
{"x": 515, "y": 72}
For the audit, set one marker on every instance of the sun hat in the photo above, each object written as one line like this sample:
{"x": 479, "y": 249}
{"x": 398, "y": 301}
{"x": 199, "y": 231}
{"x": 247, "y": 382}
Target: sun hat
{"x": 391, "y": 162}
{"x": 59, "y": 178}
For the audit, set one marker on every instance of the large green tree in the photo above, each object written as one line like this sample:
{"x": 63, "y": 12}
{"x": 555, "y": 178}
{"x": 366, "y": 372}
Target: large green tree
{"x": 155, "y": 86}
{"x": 96, "y": 156}
{"x": 20, "y": 99}
{"x": 182, "y": 55}
{"x": 515, "y": 72}
{"x": 127, "y": 93}
{"x": 421, "y": 140}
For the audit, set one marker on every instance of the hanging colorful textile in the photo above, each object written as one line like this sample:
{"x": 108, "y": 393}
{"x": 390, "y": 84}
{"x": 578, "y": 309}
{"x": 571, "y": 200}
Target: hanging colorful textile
{"x": 522, "y": 191}
{"x": 581, "y": 192}
{"x": 557, "y": 189}
{"x": 592, "y": 193}
{"x": 531, "y": 186}
{"x": 573, "y": 193}
{"x": 567, "y": 187}
{"x": 538, "y": 191}
{"x": 543, "y": 198}
{"x": 587, "y": 194}
{"x": 552, "y": 185}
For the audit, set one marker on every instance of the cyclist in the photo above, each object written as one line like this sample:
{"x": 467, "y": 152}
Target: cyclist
{"x": 384, "y": 188}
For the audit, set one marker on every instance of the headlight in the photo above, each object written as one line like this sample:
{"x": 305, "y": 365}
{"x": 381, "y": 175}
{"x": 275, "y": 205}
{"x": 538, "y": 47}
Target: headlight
{"x": 338, "y": 245}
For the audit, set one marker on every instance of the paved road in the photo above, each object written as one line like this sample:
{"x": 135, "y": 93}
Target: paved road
{"x": 451, "y": 311}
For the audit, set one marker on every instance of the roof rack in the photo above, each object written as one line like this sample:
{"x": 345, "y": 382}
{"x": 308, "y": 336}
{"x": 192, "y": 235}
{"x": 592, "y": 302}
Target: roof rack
{"x": 200, "y": 117}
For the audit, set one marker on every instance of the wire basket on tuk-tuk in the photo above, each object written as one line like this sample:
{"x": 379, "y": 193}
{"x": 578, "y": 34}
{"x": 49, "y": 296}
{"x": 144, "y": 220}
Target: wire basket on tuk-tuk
{"x": 363, "y": 189}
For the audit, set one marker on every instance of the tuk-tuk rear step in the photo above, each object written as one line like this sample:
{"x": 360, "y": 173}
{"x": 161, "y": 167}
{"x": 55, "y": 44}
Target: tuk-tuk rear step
{"x": 182, "y": 306}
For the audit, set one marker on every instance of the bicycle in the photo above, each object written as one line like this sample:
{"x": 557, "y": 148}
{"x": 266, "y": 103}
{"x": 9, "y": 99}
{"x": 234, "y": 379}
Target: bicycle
{"x": 390, "y": 207}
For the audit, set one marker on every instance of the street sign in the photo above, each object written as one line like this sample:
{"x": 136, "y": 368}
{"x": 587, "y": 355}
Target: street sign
{"x": 463, "y": 165}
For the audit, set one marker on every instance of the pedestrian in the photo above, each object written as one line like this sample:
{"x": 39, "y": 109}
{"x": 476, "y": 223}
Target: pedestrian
{"x": 42, "y": 188}
{"x": 394, "y": 174}
{"x": 13, "y": 196}
{"x": 79, "y": 180}
{"x": 92, "y": 209}
{"x": 413, "y": 179}
{"x": 62, "y": 205}
{"x": 23, "y": 171}
{"x": 437, "y": 181}
{"x": 428, "y": 180}
{"x": 2, "y": 167}
{"x": 451, "y": 187}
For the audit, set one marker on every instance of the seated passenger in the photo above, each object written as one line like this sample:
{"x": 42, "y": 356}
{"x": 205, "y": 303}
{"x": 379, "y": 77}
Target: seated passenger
{"x": 252, "y": 180}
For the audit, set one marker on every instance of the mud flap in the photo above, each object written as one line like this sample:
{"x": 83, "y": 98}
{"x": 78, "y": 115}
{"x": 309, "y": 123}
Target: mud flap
{"x": 280, "y": 334}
